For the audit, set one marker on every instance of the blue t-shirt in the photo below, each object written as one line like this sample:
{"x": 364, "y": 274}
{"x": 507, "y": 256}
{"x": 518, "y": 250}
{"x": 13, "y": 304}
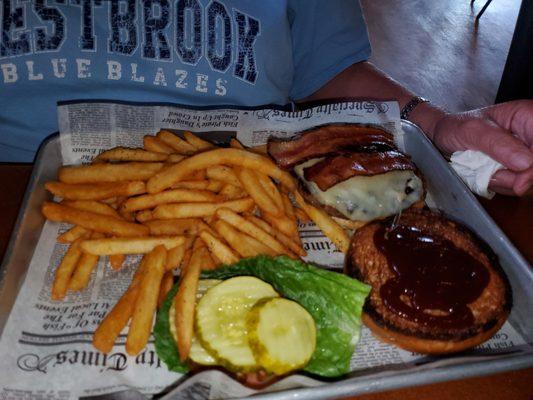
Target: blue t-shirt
{"x": 194, "y": 52}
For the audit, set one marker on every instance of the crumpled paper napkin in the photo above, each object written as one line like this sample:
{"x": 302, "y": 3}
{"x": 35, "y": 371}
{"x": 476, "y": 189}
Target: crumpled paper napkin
{"x": 475, "y": 169}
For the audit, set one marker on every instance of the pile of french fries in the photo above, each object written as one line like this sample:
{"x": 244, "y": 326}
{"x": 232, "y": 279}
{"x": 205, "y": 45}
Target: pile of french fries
{"x": 187, "y": 206}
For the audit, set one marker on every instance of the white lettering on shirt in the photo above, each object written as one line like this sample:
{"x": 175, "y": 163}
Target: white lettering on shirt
{"x": 159, "y": 78}
{"x": 221, "y": 88}
{"x": 114, "y": 70}
{"x": 9, "y": 71}
{"x": 134, "y": 76}
{"x": 182, "y": 75}
{"x": 83, "y": 67}
{"x": 201, "y": 83}
{"x": 32, "y": 76}
{"x": 60, "y": 67}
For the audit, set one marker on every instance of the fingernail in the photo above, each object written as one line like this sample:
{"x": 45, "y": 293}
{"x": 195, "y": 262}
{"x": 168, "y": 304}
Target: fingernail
{"x": 503, "y": 178}
{"x": 523, "y": 160}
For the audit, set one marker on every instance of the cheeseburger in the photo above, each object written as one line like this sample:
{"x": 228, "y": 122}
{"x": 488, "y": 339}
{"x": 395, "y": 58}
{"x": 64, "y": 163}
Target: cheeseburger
{"x": 354, "y": 172}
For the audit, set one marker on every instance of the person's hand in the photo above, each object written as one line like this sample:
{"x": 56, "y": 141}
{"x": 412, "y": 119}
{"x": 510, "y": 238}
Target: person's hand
{"x": 504, "y": 132}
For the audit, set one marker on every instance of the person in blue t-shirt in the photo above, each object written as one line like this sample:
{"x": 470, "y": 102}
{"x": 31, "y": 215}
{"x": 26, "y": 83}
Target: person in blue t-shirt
{"x": 219, "y": 52}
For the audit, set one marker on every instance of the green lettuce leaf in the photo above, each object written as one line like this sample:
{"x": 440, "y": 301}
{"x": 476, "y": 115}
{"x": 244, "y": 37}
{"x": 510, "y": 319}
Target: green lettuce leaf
{"x": 334, "y": 300}
{"x": 165, "y": 346}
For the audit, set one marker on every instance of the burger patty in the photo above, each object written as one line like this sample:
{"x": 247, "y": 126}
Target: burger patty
{"x": 367, "y": 263}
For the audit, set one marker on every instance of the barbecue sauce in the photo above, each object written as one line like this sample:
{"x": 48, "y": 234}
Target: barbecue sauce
{"x": 433, "y": 281}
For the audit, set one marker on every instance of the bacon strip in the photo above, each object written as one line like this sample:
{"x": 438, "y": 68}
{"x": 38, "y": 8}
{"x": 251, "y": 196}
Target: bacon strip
{"x": 327, "y": 140}
{"x": 332, "y": 170}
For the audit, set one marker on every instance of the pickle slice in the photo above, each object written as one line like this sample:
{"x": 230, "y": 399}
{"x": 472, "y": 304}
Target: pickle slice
{"x": 221, "y": 321}
{"x": 282, "y": 335}
{"x": 198, "y": 353}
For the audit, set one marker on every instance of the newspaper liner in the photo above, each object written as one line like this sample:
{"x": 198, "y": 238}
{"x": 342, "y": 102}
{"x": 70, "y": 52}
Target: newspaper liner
{"x": 46, "y": 346}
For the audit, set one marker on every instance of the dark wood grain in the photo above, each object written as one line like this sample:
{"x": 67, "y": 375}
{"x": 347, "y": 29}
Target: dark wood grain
{"x": 514, "y": 217}
{"x": 13, "y": 178}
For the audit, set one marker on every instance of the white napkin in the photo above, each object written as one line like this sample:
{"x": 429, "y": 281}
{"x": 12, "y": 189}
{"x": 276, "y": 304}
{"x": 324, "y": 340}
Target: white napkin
{"x": 475, "y": 169}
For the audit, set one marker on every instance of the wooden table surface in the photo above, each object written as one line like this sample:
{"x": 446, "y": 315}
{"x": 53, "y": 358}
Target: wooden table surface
{"x": 515, "y": 217}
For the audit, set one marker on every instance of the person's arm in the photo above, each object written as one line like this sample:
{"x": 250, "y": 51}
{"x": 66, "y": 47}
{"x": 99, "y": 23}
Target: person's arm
{"x": 366, "y": 81}
{"x": 503, "y": 131}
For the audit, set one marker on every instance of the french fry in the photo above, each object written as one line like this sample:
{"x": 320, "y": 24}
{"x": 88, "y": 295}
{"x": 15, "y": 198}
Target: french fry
{"x": 95, "y": 191}
{"x": 223, "y": 174}
{"x": 107, "y": 332}
{"x": 191, "y": 210}
{"x": 152, "y": 143}
{"x": 166, "y": 284}
{"x": 203, "y": 226}
{"x": 349, "y": 224}
{"x": 169, "y": 196}
{"x": 72, "y": 234}
{"x": 127, "y": 215}
{"x": 216, "y": 260}
{"x": 213, "y": 186}
{"x": 206, "y": 261}
{"x": 291, "y": 218}
{"x": 239, "y": 241}
{"x": 255, "y": 190}
{"x": 234, "y": 143}
{"x": 331, "y": 229}
{"x": 86, "y": 264}
{"x": 198, "y": 175}
{"x": 220, "y": 249}
{"x": 146, "y": 303}
{"x": 233, "y": 157}
{"x": 197, "y": 244}
{"x": 231, "y": 192}
{"x": 198, "y": 143}
{"x": 116, "y": 261}
{"x": 181, "y": 226}
{"x": 184, "y": 303}
{"x": 271, "y": 189}
{"x": 98, "y": 173}
{"x": 301, "y": 215}
{"x": 186, "y": 259}
{"x": 92, "y": 206}
{"x": 188, "y": 253}
{"x": 65, "y": 269}
{"x": 138, "y": 245}
{"x": 234, "y": 238}
{"x": 127, "y": 154}
{"x": 119, "y": 201}
{"x": 144, "y": 216}
{"x": 112, "y": 201}
{"x": 175, "y": 257}
{"x": 281, "y": 223}
{"x": 285, "y": 240}
{"x": 92, "y": 221}
{"x": 251, "y": 229}
{"x": 174, "y": 158}
{"x": 257, "y": 247}
{"x": 178, "y": 144}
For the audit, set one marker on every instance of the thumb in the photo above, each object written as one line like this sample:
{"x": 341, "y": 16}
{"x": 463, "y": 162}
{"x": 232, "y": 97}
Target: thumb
{"x": 500, "y": 145}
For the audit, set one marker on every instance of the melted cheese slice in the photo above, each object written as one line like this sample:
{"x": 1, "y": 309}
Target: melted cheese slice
{"x": 364, "y": 198}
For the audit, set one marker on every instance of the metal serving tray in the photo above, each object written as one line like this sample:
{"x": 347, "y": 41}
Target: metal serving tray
{"x": 446, "y": 189}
